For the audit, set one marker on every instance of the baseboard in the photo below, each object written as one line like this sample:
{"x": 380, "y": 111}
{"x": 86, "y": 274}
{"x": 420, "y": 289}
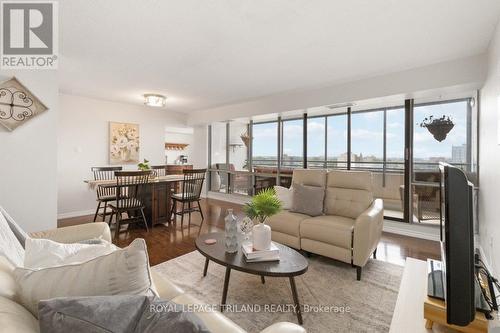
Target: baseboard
{"x": 412, "y": 230}
{"x": 75, "y": 214}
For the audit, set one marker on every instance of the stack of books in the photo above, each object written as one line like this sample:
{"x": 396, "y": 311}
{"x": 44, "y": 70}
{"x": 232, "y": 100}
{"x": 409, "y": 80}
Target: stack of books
{"x": 252, "y": 255}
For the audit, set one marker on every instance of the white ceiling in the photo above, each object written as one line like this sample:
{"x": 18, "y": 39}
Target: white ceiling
{"x": 202, "y": 54}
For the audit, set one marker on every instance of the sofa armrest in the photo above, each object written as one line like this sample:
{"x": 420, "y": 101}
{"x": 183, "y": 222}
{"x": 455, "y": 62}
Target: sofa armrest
{"x": 367, "y": 232}
{"x": 76, "y": 233}
{"x": 284, "y": 327}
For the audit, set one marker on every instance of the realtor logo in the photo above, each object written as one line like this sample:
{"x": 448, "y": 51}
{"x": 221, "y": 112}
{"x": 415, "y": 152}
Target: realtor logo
{"x": 29, "y": 35}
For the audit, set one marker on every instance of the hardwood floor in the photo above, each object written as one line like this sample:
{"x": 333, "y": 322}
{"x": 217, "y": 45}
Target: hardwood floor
{"x": 167, "y": 242}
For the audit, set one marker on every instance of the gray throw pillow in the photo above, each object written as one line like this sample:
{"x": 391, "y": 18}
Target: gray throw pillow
{"x": 308, "y": 199}
{"x": 118, "y": 314}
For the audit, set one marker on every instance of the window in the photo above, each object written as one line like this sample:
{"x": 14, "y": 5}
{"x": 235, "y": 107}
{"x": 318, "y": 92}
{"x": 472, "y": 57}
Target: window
{"x": 239, "y": 181}
{"x": 238, "y": 151}
{"x": 265, "y": 144}
{"x": 435, "y": 145}
{"x": 293, "y": 142}
{"x": 219, "y": 179}
{"x": 316, "y": 131}
{"x": 367, "y": 140}
{"x": 395, "y": 140}
{"x": 377, "y": 144}
{"x": 337, "y": 141}
{"x": 428, "y": 151}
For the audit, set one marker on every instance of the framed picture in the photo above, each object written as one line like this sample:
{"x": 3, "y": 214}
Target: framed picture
{"x": 17, "y": 104}
{"x": 123, "y": 143}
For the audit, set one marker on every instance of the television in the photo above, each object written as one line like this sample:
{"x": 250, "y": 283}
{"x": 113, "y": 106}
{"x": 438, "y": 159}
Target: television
{"x": 457, "y": 245}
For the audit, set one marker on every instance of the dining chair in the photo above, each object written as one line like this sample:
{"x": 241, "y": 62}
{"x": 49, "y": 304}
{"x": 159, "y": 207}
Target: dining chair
{"x": 130, "y": 198}
{"x": 104, "y": 195}
{"x": 159, "y": 170}
{"x": 191, "y": 190}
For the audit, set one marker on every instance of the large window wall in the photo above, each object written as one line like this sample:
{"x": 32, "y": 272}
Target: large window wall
{"x": 387, "y": 141}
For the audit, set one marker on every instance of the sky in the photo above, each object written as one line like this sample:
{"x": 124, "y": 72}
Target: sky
{"x": 367, "y": 134}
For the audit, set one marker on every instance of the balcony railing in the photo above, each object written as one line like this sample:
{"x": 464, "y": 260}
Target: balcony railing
{"x": 379, "y": 166}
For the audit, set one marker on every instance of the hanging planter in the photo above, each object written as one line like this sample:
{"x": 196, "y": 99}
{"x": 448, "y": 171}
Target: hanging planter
{"x": 438, "y": 127}
{"x": 245, "y": 138}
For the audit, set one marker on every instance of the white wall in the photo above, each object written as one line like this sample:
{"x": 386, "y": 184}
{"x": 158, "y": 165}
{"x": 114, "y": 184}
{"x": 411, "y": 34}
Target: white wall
{"x": 28, "y": 157}
{"x": 83, "y": 143}
{"x": 176, "y": 136}
{"x": 489, "y": 158}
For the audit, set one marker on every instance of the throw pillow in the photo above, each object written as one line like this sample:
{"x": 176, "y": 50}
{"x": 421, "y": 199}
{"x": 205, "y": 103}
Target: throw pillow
{"x": 285, "y": 195}
{"x": 119, "y": 314}
{"x": 20, "y": 234}
{"x": 308, "y": 199}
{"x": 44, "y": 253}
{"x": 10, "y": 247}
{"x": 122, "y": 272}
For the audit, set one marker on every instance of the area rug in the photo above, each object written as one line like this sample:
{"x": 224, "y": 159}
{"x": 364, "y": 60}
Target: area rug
{"x": 332, "y": 299}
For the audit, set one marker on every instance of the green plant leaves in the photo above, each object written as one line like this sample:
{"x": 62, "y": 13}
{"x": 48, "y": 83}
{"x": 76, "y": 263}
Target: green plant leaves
{"x": 263, "y": 205}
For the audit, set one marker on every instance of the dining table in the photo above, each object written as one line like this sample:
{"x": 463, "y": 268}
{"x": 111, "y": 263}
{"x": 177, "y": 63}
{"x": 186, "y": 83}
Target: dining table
{"x": 157, "y": 197}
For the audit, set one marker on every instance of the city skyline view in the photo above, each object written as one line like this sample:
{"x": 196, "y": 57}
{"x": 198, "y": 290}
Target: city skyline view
{"x": 367, "y": 136}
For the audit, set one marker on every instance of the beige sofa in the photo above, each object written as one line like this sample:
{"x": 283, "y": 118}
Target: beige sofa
{"x": 351, "y": 226}
{"x": 15, "y": 318}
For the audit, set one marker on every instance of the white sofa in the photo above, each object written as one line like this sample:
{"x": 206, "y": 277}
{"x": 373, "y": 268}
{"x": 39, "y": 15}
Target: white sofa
{"x": 351, "y": 226}
{"x": 16, "y": 319}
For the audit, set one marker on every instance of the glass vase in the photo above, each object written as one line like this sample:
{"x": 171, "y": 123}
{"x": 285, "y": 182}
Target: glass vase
{"x": 231, "y": 232}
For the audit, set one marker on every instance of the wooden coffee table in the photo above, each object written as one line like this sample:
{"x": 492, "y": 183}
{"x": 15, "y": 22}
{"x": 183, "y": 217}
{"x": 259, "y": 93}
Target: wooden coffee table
{"x": 291, "y": 264}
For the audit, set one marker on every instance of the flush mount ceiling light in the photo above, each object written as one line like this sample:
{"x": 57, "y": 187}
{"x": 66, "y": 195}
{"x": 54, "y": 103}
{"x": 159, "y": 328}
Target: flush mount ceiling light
{"x": 155, "y": 100}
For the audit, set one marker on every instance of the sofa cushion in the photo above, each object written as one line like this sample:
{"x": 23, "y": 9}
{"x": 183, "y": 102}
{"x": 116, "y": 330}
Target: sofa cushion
{"x": 285, "y": 195}
{"x": 8, "y": 285}
{"x": 348, "y": 193}
{"x": 123, "y": 272}
{"x": 347, "y": 203}
{"x": 308, "y": 199}
{"x": 286, "y": 222}
{"x": 15, "y": 318}
{"x": 335, "y": 230}
{"x": 316, "y": 177}
{"x": 10, "y": 247}
{"x": 43, "y": 253}
{"x": 354, "y": 180}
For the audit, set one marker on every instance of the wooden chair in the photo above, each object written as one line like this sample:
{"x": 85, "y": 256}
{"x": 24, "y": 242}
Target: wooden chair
{"x": 130, "y": 195}
{"x": 159, "y": 170}
{"x": 191, "y": 191}
{"x": 104, "y": 195}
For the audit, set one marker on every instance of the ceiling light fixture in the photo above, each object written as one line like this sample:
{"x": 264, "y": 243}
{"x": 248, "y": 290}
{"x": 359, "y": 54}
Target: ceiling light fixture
{"x": 155, "y": 100}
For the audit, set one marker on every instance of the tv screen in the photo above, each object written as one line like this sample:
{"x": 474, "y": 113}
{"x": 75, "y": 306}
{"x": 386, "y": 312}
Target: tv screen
{"x": 457, "y": 245}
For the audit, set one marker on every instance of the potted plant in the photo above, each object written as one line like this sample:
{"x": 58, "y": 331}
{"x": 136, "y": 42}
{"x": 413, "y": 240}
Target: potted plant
{"x": 438, "y": 127}
{"x": 144, "y": 166}
{"x": 262, "y": 206}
